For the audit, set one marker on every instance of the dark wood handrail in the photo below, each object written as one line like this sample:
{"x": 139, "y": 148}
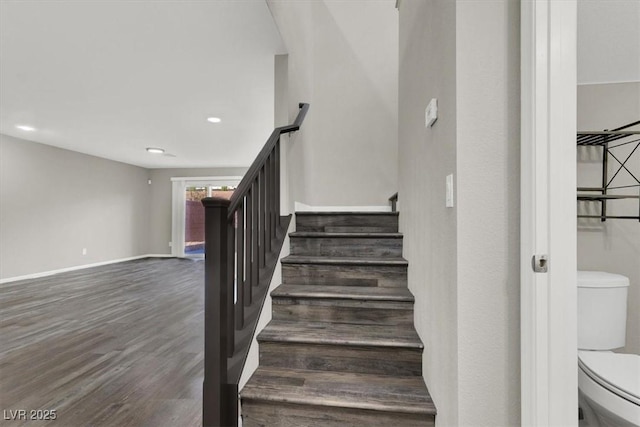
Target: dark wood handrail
{"x": 254, "y": 169}
{"x": 243, "y": 238}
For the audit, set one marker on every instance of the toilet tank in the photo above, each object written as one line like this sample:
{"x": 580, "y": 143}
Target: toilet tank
{"x": 602, "y": 310}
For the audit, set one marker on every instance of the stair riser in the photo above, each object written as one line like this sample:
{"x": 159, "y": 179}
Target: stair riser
{"x": 361, "y": 247}
{"x": 343, "y": 311}
{"x": 264, "y": 413}
{"x": 342, "y": 358}
{"x": 345, "y": 275}
{"x": 347, "y": 223}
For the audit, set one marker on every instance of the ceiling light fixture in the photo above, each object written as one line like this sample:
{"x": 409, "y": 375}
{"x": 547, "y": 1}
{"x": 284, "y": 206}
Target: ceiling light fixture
{"x": 26, "y": 128}
{"x": 153, "y": 150}
{"x": 214, "y": 119}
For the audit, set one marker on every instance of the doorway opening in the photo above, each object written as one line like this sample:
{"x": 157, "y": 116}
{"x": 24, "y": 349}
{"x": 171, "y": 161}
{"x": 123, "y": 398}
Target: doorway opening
{"x": 194, "y": 216}
{"x": 187, "y": 224}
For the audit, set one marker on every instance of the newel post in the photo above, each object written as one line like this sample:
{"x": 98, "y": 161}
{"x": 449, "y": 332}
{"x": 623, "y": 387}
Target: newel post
{"x": 217, "y": 400}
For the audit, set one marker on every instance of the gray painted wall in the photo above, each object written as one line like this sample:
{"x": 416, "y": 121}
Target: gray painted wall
{"x": 426, "y": 156}
{"x": 56, "y": 202}
{"x": 464, "y": 261}
{"x": 614, "y": 245}
{"x": 488, "y": 211}
{"x": 160, "y": 201}
{"x": 346, "y": 68}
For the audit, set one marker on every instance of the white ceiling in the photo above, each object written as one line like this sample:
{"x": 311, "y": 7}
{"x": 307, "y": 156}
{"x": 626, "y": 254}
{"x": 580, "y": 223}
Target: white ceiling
{"x": 608, "y": 41}
{"x": 110, "y": 78}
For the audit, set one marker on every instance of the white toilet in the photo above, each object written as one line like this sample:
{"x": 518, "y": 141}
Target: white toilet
{"x": 608, "y": 383}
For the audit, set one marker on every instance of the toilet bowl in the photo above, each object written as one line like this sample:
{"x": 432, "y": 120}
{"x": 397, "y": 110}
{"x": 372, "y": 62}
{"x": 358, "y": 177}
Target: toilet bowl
{"x": 608, "y": 383}
{"x": 609, "y": 388}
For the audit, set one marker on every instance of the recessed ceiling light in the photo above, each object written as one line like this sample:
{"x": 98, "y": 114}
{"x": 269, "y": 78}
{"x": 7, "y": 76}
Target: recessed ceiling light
{"x": 214, "y": 119}
{"x": 26, "y": 128}
{"x": 155, "y": 150}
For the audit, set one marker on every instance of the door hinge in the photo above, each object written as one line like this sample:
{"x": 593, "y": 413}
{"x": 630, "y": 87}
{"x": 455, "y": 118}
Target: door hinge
{"x": 540, "y": 263}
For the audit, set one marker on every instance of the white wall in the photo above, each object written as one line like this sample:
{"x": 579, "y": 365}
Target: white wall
{"x": 56, "y": 202}
{"x": 608, "y": 41}
{"x": 488, "y": 212}
{"x": 343, "y": 61}
{"x": 160, "y": 201}
{"x": 426, "y": 156}
{"x": 614, "y": 245}
{"x": 463, "y": 261}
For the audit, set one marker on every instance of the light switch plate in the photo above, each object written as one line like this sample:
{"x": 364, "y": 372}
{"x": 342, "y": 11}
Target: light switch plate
{"x": 431, "y": 113}
{"x": 449, "y": 191}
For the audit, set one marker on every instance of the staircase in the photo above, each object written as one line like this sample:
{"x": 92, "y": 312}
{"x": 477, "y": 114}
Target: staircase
{"x": 341, "y": 349}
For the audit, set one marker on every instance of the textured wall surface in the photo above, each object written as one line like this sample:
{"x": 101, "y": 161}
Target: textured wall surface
{"x": 56, "y": 202}
{"x": 426, "y": 156}
{"x": 464, "y": 261}
{"x": 343, "y": 60}
{"x": 488, "y": 165}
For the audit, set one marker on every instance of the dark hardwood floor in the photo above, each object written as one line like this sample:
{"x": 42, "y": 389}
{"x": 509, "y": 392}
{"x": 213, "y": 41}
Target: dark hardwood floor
{"x": 118, "y": 345}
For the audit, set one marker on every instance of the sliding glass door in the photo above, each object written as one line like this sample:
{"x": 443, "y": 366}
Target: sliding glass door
{"x": 194, "y": 216}
{"x": 187, "y": 222}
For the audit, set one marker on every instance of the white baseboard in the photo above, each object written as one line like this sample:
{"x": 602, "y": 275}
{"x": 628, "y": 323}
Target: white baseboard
{"x": 301, "y": 207}
{"x": 80, "y": 267}
{"x": 159, "y": 256}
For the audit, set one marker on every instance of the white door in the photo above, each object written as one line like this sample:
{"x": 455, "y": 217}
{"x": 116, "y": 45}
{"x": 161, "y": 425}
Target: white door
{"x": 548, "y": 213}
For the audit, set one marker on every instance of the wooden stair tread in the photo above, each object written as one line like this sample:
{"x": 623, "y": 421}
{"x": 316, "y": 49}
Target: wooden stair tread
{"x": 363, "y": 293}
{"x": 341, "y": 334}
{"x": 341, "y": 348}
{"x": 346, "y": 234}
{"x": 340, "y": 389}
{"x": 303, "y": 259}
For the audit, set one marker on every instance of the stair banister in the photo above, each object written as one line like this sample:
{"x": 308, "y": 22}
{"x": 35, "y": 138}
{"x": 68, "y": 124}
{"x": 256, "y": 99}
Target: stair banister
{"x": 243, "y": 237}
